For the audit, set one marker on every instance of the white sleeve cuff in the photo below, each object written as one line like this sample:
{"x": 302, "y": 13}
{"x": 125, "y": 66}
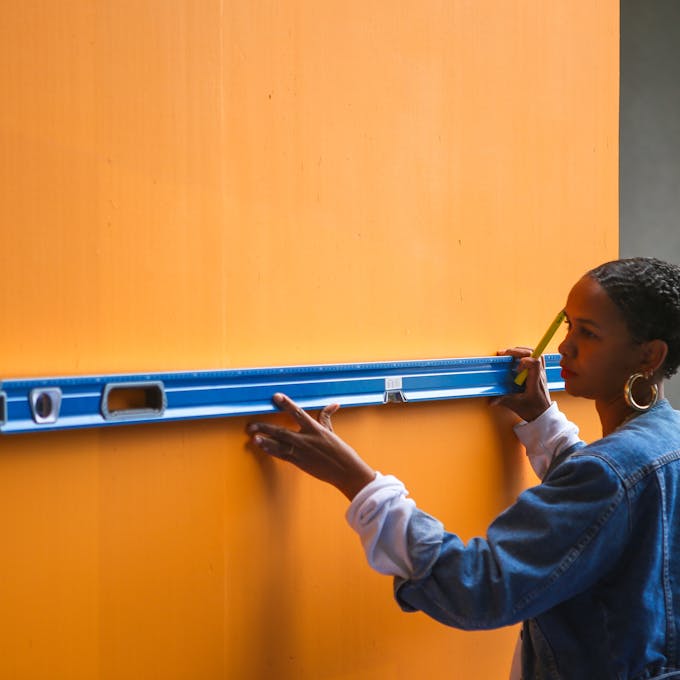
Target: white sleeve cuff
{"x": 380, "y": 514}
{"x": 546, "y": 437}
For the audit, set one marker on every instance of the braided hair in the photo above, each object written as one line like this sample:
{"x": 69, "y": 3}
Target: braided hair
{"x": 647, "y": 292}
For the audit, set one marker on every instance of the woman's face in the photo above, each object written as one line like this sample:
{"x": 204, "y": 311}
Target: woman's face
{"x": 598, "y": 353}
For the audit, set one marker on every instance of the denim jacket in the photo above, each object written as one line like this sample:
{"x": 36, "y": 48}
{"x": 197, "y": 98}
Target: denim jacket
{"x": 589, "y": 560}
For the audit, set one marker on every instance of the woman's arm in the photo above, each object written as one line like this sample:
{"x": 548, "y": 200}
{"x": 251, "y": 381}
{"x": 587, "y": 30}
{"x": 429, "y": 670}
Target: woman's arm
{"x": 544, "y": 430}
{"x": 380, "y": 510}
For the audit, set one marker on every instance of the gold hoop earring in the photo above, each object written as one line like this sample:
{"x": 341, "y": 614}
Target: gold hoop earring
{"x": 628, "y": 394}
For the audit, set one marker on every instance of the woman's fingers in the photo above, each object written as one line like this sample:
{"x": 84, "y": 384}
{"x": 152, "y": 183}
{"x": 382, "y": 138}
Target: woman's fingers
{"x": 535, "y": 367}
{"x": 535, "y": 398}
{"x": 285, "y": 403}
{"x": 315, "y": 448}
{"x": 272, "y": 439}
{"x": 325, "y": 416}
{"x": 274, "y": 431}
{"x": 280, "y": 441}
{"x": 303, "y": 419}
{"x": 528, "y": 363}
{"x": 274, "y": 447}
{"x": 516, "y": 352}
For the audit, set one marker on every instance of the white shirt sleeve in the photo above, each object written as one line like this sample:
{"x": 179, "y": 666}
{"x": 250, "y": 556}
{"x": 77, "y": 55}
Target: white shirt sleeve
{"x": 546, "y": 437}
{"x": 380, "y": 514}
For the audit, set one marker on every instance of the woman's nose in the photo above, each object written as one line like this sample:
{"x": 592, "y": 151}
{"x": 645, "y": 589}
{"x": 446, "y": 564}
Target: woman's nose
{"x": 566, "y": 347}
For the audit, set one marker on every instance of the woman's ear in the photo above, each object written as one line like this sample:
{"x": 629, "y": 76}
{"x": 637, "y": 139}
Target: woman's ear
{"x": 654, "y": 356}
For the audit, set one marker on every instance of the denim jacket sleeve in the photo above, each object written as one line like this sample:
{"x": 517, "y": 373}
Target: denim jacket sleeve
{"x": 554, "y": 542}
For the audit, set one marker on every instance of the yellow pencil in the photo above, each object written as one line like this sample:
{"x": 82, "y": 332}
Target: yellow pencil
{"x": 552, "y": 329}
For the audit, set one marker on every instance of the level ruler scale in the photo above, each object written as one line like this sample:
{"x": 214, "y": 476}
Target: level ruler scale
{"x": 48, "y": 404}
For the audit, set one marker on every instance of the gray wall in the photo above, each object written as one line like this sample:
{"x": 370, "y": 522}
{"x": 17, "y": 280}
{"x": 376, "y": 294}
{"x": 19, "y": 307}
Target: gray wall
{"x": 649, "y": 199}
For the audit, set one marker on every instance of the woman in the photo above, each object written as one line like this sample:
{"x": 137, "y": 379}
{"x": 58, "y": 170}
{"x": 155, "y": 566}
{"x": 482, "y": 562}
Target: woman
{"x": 587, "y": 559}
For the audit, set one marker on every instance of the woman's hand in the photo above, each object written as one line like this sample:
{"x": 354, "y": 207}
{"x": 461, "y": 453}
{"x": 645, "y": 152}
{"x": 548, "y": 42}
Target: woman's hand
{"x": 535, "y": 398}
{"x": 315, "y": 448}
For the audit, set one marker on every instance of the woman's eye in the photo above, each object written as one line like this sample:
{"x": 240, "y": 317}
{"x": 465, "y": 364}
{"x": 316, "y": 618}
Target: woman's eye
{"x": 583, "y": 331}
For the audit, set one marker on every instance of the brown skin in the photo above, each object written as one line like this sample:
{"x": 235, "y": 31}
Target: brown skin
{"x": 598, "y": 356}
{"x": 315, "y": 448}
{"x": 535, "y": 398}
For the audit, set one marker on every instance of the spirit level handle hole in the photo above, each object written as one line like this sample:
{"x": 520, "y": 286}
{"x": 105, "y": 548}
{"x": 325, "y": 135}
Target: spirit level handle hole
{"x": 133, "y": 400}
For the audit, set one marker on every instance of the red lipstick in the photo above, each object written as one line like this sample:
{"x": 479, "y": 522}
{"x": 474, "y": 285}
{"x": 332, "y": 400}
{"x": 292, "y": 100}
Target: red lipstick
{"x": 566, "y": 373}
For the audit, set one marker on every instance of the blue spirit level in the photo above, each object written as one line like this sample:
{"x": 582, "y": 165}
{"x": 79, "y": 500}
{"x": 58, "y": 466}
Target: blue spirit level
{"x": 45, "y": 404}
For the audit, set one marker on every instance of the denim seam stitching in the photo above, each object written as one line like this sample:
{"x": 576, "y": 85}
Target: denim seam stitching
{"x": 630, "y": 481}
{"x": 667, "y": 594}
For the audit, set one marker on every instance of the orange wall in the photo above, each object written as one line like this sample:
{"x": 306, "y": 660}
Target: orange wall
{"x": 218, "y": 184}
